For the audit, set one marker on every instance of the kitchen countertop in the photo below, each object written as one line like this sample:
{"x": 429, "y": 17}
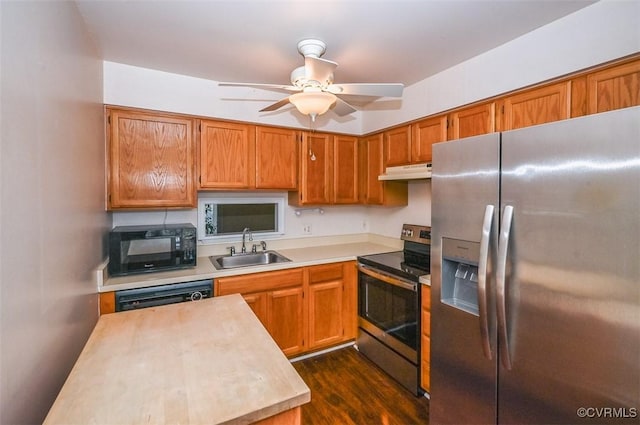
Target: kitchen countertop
{"x": 299, "y": 256}
{"x": 203, "y": 362}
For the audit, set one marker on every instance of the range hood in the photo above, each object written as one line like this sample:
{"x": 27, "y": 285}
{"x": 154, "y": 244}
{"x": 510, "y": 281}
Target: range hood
{"x": 407, "y": 172}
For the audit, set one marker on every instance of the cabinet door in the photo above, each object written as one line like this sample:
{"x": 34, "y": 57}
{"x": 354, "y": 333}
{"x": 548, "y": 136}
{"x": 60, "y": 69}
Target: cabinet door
{"x": 372, "y": 190}
{"x": 425, "y": 134}
{"x": 537, "y": 106}
{"x": 151, "y": 160}
{"x": 276, "y": 158}
{"x": 373, "y": 166}
{"x": 227, "y": 155}
{"x": 397, "y": 145}
{"x": 614, "y": 88}
{"x": 285, "y": 311}
{"x": 425, "y": 342}
{"x": 325, "y": 313}
{"x": 473, "y": 121}
{"x": 315, "y": 173}
{"x": 258, "y": 303}
{"x": 345, "y": 170}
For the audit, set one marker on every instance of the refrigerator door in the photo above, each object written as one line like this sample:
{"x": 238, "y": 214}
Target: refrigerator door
{"x": 464, "y": 181}
{"x": 572, "y": 287}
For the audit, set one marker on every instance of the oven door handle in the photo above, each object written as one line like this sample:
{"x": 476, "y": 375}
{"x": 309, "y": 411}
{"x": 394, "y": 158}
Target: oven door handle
{"x": 388, "y": 279}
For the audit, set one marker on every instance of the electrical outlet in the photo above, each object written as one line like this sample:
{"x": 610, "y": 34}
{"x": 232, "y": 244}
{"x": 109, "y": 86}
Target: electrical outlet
{"x": 306, "y": 229}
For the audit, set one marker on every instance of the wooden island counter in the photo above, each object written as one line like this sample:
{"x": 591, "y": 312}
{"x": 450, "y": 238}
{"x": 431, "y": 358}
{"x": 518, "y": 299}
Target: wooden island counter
{"x": 203, "y": 362}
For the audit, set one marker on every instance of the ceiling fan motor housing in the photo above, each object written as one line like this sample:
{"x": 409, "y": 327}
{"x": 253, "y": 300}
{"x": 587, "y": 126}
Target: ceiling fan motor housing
{"x": 299, "y": 78}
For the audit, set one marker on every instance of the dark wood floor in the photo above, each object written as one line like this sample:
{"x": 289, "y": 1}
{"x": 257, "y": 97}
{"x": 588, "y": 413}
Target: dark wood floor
{"x": 346, "y": 388}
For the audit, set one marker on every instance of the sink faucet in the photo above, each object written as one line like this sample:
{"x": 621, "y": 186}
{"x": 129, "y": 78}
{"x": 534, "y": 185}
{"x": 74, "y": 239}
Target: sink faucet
{"x": 244, "y": 233}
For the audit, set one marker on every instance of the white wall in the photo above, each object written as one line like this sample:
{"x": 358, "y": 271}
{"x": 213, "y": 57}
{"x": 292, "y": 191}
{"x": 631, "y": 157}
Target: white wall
{"x": 598, "y": 33}
{"x": 603, "y": 31}
{"x": 127, "y": 85}
{"x": 52, "y": 217}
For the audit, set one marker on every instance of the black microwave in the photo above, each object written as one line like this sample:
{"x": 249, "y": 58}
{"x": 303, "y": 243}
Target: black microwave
{"x": 155, "y": 248}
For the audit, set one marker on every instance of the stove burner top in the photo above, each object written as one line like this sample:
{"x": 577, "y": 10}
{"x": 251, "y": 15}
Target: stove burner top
{"x": 395, "y": 263}
{"x": 410, "y": 263}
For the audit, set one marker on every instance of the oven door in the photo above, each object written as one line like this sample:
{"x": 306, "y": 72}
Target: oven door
{"x": 388, "y": 310}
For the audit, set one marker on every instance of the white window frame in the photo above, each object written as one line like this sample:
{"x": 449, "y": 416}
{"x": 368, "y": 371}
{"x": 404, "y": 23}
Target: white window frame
{"x": 245, "y": 198}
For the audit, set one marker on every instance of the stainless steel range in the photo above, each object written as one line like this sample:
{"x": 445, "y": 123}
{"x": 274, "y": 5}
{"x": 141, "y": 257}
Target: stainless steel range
{"x": 389, "y": 306}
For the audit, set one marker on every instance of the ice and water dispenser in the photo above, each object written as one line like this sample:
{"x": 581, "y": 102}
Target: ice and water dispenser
{"x": 460, "y": 274}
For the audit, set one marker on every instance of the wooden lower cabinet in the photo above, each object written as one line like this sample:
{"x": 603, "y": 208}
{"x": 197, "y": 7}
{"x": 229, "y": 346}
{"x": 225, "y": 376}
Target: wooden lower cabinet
{"x": 304, "y": 309}
{"x": 285, "y": 318}
{"x": 425, "y": 342}
{"x": 277, "y": 298}
{"x": 332, "y": 304}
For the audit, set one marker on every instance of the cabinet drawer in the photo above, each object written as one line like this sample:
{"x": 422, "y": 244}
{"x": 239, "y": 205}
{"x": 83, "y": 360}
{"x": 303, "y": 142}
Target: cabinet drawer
{"x": 258, "y": 282}
{"x": 325, "y": 273}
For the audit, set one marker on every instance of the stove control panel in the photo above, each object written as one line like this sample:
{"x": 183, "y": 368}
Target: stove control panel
{"x": 416, "y": 233}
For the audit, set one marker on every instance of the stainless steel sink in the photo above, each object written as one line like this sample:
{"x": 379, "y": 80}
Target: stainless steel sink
{"x": 221, "y": 262}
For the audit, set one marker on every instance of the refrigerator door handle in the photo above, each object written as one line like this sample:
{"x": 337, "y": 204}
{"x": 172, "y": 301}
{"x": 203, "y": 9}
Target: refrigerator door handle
{"x": 487, "y": 225}
{"x": 501, "y": 272}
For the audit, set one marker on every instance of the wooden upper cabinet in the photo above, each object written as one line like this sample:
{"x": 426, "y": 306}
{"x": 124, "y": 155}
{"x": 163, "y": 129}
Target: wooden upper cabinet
{"x": 397, "y": 146}
{"x": 373, "y": 191}
{"x": 227, "y": 155}
{"x": 151, "y": 160}
{"x": 614, "y": 88}
{"x": 424, "y": 134}
{"x": 276, "y": 158}
{"x": 473, "y": 121}
{"x": 345, "y": 170}
{"x": 315, "y": 170}
{"x": 537, "y": 106}
{"x": 372, "y": 165}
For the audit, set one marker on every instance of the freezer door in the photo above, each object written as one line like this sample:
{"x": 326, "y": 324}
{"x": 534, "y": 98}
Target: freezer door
{"x": 572, "y": 272}
{"x": 464, "y": 182}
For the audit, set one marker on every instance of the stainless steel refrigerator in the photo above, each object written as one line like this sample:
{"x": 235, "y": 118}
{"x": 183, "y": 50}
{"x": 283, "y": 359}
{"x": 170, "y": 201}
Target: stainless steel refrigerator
{"x": 535, "y": 271}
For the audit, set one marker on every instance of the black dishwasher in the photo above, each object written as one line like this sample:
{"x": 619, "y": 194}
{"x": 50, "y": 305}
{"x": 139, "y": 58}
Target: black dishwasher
{"x": 133, "y": 299}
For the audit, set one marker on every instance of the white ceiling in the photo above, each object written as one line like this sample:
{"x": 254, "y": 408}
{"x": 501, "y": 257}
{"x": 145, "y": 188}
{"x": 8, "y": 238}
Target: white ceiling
{"x": 255, "y": 40}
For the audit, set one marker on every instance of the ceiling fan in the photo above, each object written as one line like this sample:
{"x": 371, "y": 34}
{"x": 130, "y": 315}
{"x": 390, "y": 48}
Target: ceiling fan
{"x": 313, "y": 86}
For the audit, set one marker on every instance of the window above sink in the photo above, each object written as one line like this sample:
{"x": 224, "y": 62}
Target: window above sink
{"x": 224, "y": 216}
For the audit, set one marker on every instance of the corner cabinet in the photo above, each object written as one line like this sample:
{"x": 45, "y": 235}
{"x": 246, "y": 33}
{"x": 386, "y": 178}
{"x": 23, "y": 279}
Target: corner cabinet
{"x": 151, "y": 160}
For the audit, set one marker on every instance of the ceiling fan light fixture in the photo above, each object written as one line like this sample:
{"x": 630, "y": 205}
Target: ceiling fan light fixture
{"x": 312, "y": 103}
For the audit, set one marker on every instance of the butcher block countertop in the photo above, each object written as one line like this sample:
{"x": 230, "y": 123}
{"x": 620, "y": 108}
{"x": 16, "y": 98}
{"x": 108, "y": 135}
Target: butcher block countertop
{"x": 204, "y": 362}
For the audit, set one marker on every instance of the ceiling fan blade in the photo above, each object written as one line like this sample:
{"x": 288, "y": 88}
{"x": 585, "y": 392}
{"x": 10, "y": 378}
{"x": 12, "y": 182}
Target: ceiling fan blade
{"x": 368, "y": 89}
{"x": 342, "y": 108}
{"x": 320, "y": 70}
{"x": 275, "y": 87}
{"x": 279, "y": 104}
